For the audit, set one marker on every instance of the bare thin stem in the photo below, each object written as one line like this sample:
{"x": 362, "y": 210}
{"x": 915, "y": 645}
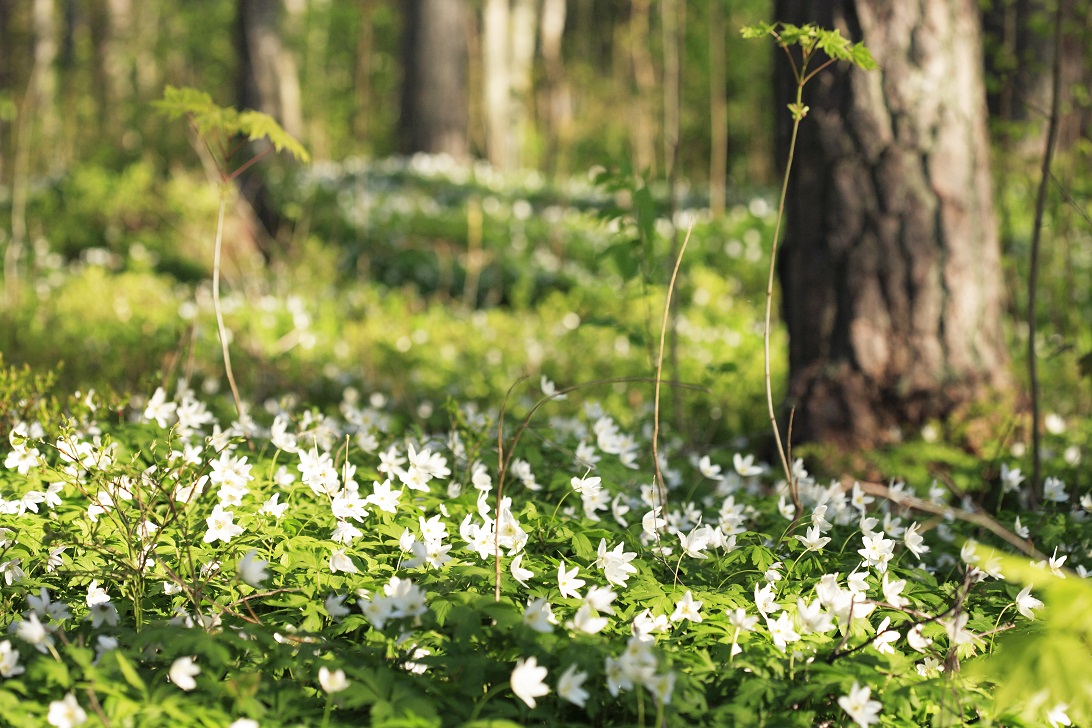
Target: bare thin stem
{"x": 1073, "y": 204}
{"x": 216, "y": 303}
{"x": 659, "y": 374}
{"x": 250, "y": 162}
{"x": 1035, "y": 492}
{"x": 793, "y": 493}
{"x": 502, "y": 472}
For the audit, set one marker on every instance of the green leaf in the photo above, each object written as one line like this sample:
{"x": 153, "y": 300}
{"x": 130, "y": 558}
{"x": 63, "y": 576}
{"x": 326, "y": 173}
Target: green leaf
{"x": 214, "y": 121}
{"x": 582, "y": 547}
{"x": 833, "y": 44}
{"x": 809, "y": 37}
{"x": 758, "y": 30}
{"x": 257, "y": 125}
{"x": 127, "y": 671}
{"x": 17, "y": 711}
{"x": 803, "y": 36}
{"x": 862, "y": 57}
{"x": 1041, "y": 663}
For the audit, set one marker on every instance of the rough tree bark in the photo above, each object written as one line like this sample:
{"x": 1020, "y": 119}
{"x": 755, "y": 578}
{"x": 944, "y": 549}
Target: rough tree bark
{"x": 890, "y": 269}
{"x": 435, "y": 108}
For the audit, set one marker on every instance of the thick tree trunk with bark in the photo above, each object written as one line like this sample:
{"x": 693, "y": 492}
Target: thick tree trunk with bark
{"x": 435, "y": 108}
{"x": 891, "y": 266}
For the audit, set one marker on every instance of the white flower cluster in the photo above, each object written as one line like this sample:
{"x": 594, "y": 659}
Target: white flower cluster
{"x": 400, "y": 599}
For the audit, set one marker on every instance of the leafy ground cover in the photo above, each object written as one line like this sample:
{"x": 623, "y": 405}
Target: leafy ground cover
{"x": 381, "y": 286}
{"x": 333, "y": 557}
{"x": 162, "y": 566}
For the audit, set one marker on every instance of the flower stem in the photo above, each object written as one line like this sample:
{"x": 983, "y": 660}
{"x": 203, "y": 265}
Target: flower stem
{"x": 793, "y": 492}
{"x": 221, "y": 329}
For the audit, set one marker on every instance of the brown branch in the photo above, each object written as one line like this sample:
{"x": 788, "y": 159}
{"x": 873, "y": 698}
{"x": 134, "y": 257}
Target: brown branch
{"x": 978, "y": 518}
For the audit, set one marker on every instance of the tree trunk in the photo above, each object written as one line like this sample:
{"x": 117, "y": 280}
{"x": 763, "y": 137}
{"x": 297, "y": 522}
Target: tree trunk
{"x": 38, "y": 103}
{"x": 524, "y": 30}
{"x": 7, "y": 84}
{"x": 266, "y": 80}
{"x": 644, "y": 73}
{"x": 891, "y": 266}
{"x": 556, "y": 101}
{"x": 497, "y": 96}
{"x": 362, "y": 70}
{"x": 435, "y": 108}
{"x": 718, "y": 110}
{"x": 1019, "y": 59}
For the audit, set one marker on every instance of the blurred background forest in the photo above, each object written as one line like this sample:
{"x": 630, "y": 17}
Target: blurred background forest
{"x": 560, "y": 140}
{"x": 551, "y": 85}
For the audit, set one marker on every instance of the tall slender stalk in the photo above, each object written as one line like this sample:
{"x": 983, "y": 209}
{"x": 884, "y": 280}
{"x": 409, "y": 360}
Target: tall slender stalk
{"x": 661, "y": 490}
{"x": 228, "y": 131}
{"x": 216, "y": 300}
{"x": 673, "y": 14}
{"x": 797, "y": 117}
{"x": 810, "y": 39}
{"x": 1036, "y": 490}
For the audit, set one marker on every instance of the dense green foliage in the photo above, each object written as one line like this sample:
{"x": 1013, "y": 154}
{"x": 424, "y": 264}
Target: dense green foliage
{"x": 413, "y": 525}
{"x": 366, "y": 337}
{"x": 193, "y": 574}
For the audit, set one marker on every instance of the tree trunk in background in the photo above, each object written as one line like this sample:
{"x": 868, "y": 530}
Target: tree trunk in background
{"x": 266, "y": 80}
{"x": 116, "y": 44}
{"x": 41, "y": 101}
{"x": 556, "y": 105}
{"x": 7, "y": 78}
{"x": 672, "y": 14}
{"x": 508, "y": 53}
{"x": 718, "y": 110}
{"x": 435, "y": 108}
{"x": 305, "y": 18}
{"x": 672, "y": 25}
{"x": 497, "y": 92}
{"x": 97, "y": 17}
{"x": 145, "y": 35}
{"x": 1019, "y": 57}
{"x": 362, "y": 70}
{"x": 891, "y": 266}
{"x": 36, "y": 130}
{"x": 524, "y": 30}
{"x": 643, "y": 126}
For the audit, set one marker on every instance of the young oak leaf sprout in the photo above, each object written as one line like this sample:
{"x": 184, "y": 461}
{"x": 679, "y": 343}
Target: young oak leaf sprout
{"x": 217, "y": 127}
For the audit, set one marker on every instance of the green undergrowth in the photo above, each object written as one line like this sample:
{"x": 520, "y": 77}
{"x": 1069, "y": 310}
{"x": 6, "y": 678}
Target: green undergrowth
{"x": 308, "y": 567}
